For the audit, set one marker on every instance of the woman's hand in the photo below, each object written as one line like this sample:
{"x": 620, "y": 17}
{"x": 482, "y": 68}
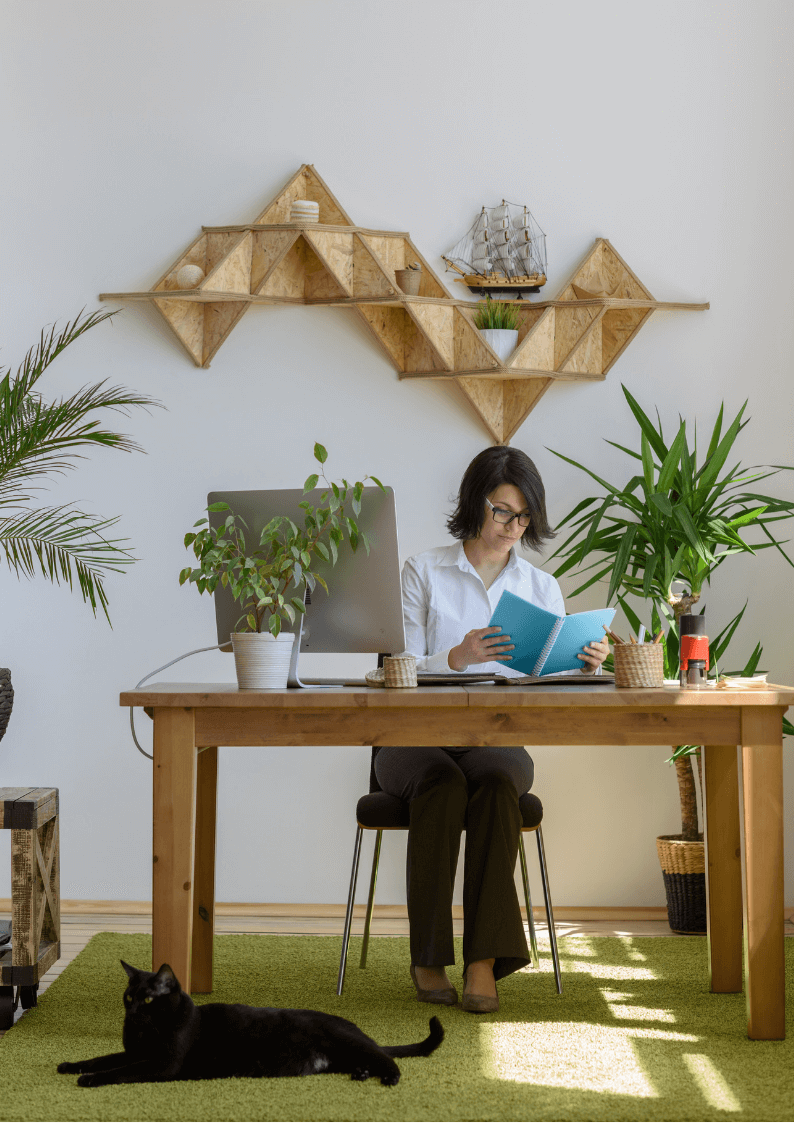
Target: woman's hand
{"x": 594, "y": 655}
{"x": 482, "y": 645}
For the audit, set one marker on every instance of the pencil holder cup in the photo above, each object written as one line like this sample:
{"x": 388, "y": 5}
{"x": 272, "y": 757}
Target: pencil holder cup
{"x": 638, "y": 664}
{"x": 399, "y": 670}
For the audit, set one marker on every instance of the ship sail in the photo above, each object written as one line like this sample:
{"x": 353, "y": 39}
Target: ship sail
{"x": 505, "y": 248}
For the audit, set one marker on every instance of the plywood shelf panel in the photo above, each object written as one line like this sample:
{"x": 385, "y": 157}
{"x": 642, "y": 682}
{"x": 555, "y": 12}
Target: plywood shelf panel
{"x": 576, "y": 337}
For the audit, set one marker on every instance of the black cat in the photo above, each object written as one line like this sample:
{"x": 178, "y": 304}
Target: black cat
{"x": 167, "y": 1037}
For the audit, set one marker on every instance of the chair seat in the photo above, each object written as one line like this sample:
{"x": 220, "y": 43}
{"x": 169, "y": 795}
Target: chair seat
{"x": 381, "y": 812}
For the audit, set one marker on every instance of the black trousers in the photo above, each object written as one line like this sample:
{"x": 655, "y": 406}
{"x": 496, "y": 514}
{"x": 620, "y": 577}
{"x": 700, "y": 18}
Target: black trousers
{"x": 451, "y": 790}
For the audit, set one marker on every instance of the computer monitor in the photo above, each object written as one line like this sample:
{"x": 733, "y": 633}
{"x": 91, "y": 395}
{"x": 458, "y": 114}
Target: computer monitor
{"x": 363, "y": 610}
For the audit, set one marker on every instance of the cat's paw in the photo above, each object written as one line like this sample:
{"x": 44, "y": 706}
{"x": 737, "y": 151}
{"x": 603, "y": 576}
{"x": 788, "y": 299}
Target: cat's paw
{"x": 360, "y": 1074}
{"x": 70, "y": 1067}
{"x": 391, "y": 1079}
{"x": 89, "y": 1079}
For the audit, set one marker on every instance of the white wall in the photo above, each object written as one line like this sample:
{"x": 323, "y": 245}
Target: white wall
{"x": 665, "y": 127}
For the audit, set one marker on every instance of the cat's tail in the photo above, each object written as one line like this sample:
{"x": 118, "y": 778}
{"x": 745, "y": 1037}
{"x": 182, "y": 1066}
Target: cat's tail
{"x": 422, "y": 1048}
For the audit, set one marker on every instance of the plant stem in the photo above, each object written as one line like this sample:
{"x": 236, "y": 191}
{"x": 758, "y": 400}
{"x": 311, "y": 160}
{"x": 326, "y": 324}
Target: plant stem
{"x": 686, "y": 793}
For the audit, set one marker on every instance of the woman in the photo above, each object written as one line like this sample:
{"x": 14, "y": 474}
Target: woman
{"x": 449, "y": 595}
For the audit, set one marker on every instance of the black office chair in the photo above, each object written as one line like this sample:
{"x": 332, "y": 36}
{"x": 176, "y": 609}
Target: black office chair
{"x": 381, "y": 812}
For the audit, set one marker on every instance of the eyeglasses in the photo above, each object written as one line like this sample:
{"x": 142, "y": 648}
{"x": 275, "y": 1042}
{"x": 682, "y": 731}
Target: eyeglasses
{"x": 500, "y": 515}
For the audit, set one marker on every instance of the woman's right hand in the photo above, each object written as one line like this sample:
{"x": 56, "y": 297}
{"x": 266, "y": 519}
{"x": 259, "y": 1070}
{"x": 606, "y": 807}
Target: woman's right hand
{"x": 482, "y": 645}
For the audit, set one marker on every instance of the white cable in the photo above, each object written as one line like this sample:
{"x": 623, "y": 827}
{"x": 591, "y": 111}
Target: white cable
{"x": 165, "y": 666}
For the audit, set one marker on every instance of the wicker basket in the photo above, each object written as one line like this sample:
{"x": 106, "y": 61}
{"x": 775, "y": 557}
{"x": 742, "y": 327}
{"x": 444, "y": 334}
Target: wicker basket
{"x": 409, "y": 280}
{"x": 684, "y": 870}
{"x": 638, "y": 664}
{"x": 399, "y": 670}
{"x": 6, "y": 699}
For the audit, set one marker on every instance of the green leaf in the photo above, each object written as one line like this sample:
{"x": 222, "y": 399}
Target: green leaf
{"x": 274, "y": 624}
{"x": 322, "y": 550}
{"x": 311, "y": 483}
{"x": 752, "y": 662}
{"x": 647, "y": 464}
{"x": 298, "y": 603}
{"x": 662, "y": 503}
{"x": 621, "y": 561}
{"x": 189, "y": 538}
{"x": 670, "y": 462}
{"x": 219, "y": 506}
{"x": 184, "y": 576}
{"x": 201, "y": 522}
{"x": 251, "y": 621}
{"x": 377, "y": 482}
{"x": 321, "y": 455}
{"x": 646, "y": 425}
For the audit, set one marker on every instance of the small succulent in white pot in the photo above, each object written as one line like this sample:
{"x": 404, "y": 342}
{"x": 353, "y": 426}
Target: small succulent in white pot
{"x": 498, "y": 322}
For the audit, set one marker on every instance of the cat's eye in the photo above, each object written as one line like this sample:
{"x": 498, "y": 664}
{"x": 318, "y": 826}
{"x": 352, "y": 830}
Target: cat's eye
{"x": 148, "y": 998}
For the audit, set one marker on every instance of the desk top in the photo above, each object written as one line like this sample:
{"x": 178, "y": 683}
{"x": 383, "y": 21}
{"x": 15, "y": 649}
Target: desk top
{"x": 225, "y": 695}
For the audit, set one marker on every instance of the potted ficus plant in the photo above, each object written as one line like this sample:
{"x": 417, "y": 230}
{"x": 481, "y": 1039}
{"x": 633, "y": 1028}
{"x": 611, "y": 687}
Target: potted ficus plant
{"x": 659, "y": 538}
{"x": 498, "y": 322}
{"x": 268, "y": 578}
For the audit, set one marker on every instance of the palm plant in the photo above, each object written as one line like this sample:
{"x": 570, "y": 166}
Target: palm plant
{"x": 40, "y": 439}
{"x": 674, "y": 523}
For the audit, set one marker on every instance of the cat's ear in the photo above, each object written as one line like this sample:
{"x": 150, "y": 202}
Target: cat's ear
{"x": 165, "y": 979}
{"x": 132, "y": 972}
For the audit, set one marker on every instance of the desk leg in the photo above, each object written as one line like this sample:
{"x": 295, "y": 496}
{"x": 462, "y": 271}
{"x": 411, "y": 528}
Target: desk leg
{"x": 204, "y": 871}
{"x": 723, "y": 866}
{"x": 174, "y": 825}
{"x": 762, "y": 870}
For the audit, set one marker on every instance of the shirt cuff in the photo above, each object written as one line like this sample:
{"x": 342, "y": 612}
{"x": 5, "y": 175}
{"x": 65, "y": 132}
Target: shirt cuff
{"x": 437, "y": 664}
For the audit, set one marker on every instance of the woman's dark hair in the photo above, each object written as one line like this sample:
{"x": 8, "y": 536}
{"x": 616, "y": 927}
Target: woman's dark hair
{"x": 490, "y": 468}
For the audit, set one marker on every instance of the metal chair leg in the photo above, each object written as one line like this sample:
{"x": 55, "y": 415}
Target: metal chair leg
{"x": 371, "y": 899}
{"x": 549, "y": 913}
{"x": 349, "y": 914}
{"x": 533, "y": 939}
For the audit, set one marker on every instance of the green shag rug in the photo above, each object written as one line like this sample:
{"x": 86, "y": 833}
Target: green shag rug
{"x": 635, "y": 1035}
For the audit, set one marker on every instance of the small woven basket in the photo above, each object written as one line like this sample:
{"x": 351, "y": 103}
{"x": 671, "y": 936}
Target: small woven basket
{"x": 399, "y": 670}
{"x": 409, "y": 280}
{"x": 638, "y": 664}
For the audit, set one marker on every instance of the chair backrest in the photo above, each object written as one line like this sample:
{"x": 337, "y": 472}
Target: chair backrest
{"x": 374, "y": 786}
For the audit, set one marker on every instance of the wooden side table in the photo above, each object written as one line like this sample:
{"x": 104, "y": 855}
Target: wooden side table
{"x": 31, "y": 814}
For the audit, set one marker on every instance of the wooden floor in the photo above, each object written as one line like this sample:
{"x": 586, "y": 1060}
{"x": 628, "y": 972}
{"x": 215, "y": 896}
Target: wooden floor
{"x": 78, "y": 925}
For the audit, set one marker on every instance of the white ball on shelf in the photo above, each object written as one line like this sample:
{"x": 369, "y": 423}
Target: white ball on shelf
{"x": 189, "y": 276}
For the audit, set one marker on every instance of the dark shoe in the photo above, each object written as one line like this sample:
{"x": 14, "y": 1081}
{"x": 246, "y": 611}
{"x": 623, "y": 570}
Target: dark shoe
{"x": 444, "y": 996}
{"x": 478, "y": 1003}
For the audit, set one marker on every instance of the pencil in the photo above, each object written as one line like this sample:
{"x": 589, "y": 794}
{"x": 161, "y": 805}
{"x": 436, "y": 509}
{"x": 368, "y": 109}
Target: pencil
{"x": 613, "y": 635}
{"x": 658, "y": 636}
{"x": 631, "y": 637}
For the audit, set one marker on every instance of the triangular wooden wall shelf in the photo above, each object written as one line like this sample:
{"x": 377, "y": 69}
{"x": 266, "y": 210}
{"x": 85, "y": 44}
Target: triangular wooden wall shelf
{"x": 574, "y": 338}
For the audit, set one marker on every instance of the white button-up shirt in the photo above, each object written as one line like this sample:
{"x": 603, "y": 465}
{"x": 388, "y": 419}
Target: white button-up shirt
{"x": 444, "y": 597}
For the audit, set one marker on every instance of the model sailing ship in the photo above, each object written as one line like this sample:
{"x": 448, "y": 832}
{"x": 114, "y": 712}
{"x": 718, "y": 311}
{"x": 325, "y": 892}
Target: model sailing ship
{"x": 503, "y": 253}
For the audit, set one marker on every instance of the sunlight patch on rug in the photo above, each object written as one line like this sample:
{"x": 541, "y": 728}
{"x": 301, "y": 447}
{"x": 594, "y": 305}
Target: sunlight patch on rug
{"x": 605, "y": 1060}
{"x": 711, "y": 1082}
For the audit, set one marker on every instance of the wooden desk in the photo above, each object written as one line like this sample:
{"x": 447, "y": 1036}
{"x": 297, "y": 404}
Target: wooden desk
{"x": 744, "y": 875}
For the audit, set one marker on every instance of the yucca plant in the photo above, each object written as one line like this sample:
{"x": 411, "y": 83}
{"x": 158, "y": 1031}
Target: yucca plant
{"x": 40, "y": 439}
{"x": 673, "y": 524}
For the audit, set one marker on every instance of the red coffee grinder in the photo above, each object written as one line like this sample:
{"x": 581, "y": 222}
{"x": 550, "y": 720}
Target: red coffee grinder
{"x": 693, "y": 651}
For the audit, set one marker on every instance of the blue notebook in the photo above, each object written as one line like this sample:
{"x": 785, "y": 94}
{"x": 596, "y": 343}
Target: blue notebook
{"x": 546, "y": 644}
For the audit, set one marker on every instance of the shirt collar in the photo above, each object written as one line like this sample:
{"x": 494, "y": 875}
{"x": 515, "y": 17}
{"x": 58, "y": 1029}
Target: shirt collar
{"x": 456, "y": 556}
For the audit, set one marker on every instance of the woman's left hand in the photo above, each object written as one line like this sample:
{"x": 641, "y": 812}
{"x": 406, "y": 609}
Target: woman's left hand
{"x": 594, "y": 655}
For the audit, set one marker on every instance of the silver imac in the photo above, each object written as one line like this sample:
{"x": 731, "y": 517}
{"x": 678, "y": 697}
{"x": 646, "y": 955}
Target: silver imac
{"x": 363, "y": 611}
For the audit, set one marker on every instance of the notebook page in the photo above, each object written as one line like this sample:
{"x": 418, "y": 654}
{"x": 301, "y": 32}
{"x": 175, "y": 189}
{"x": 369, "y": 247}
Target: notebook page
{"x": 576, "y": 632}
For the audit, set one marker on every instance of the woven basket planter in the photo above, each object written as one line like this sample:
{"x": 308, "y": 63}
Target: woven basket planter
{"x": 6, "y": 699}
{"x": 684, "y": 871}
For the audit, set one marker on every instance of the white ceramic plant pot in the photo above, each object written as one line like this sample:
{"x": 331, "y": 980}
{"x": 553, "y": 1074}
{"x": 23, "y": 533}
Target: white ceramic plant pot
{"x": 262, "y": 660}
{"x": 502, "y": 340}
